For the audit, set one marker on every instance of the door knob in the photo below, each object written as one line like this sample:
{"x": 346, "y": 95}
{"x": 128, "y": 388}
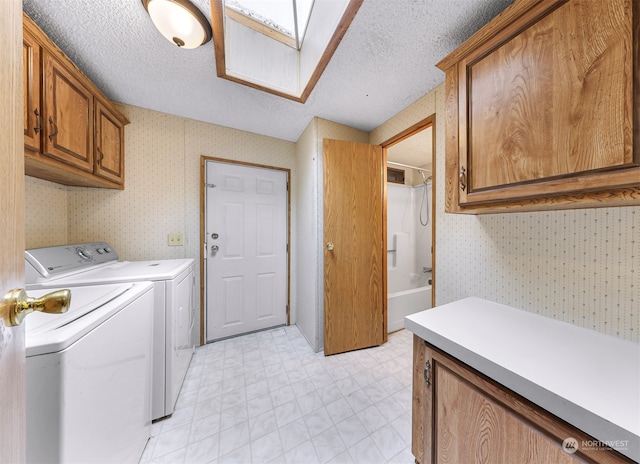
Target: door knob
{"x": 330, "y": 246}
{"x": 16, "y": 305}
{"x": 214, "y": 248}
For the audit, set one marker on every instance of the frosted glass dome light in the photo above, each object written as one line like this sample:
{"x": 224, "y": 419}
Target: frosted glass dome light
{"x": 179, "y": 21}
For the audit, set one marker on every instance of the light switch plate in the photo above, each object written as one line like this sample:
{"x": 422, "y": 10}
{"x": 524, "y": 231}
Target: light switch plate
{"x": 176, "y": 239}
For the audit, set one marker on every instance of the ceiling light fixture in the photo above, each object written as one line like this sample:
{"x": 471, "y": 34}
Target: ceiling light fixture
{"x": 180, "y": 21}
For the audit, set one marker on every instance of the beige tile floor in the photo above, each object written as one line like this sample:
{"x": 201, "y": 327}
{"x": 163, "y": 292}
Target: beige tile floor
{"x": 268, "y": 398}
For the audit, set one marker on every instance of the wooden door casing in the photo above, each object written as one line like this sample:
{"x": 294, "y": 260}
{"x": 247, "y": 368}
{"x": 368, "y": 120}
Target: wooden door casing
{"x": 355, "y": 309}
{"x": 68, "y": 116}
{"x": 12, "y": 348}
{"x": 32, "y": 117}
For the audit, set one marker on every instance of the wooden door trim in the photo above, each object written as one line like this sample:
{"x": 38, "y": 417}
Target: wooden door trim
{"x": 203, "y": 172}
{"x": 427, "y": 122}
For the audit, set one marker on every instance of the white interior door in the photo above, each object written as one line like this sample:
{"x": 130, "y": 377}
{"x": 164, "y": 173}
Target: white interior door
{"x": 246, "y": 214}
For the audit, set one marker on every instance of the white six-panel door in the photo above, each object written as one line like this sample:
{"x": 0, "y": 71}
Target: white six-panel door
{"x": 246, "y": 275}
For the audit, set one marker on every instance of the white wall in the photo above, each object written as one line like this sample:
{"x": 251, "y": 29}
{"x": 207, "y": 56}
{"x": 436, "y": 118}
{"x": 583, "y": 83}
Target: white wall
{"x": 306, "y": 245}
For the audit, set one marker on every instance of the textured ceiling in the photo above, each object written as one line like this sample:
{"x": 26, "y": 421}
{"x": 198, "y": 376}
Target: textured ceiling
{"x": 413, "y": 151}
{"x": 385, "y": 62}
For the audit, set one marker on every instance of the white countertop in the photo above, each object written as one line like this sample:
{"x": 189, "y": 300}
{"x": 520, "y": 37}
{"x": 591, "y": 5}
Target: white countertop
{"x": 589, "y": 379}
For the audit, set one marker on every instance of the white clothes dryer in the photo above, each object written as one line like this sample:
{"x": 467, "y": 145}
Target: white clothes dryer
{"x": 88, "y": 375}
{"x": 174, "y": 318}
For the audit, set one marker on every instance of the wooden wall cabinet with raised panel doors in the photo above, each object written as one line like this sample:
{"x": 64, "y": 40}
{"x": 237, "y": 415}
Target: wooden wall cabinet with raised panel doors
{"x": 109, "y": 132}
{"x": 460, "y": 415}
{"x": 31, "y": 69}
{"x": 73, "y": 135}
{"x": 543, "y": 109}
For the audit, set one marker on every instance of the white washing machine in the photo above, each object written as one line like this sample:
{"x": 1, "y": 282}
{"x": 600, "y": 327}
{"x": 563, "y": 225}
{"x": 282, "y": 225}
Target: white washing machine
{"x": 89, "y": 376}
{"x": 173, "y": 279}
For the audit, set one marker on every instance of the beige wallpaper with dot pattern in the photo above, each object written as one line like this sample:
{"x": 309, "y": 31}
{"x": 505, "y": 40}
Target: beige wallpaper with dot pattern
{"x": 579, "y": 266}
{"x": 161, "y": 195}
{"x": 46, "y": 213}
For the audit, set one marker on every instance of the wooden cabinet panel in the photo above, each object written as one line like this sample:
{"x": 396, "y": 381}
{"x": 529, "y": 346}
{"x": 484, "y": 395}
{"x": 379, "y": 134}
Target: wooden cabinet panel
{"x": 109, "y": 144}
{"x": 459, "y": 415}
{"x": 487, "y": 430}
{"x": 422, "y": 418}
{"x": 68, "y": 113}
{"x": 32, "y": 118}
{"x": 78, "y": 138}
{"x": 542, "y": 108}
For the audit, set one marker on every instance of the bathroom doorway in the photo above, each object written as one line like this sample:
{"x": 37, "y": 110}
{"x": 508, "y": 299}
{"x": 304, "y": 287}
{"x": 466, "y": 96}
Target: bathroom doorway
{"x": 410, "y": 222}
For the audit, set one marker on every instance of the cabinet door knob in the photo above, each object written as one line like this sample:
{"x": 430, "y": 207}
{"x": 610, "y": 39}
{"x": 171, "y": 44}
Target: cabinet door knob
{"x": 427, "y": 374}
{"x": 463, "y": 178}
{"x": 54, "y": 128}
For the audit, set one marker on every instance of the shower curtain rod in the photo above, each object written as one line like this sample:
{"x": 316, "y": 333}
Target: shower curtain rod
{"x": 408, "y": 166}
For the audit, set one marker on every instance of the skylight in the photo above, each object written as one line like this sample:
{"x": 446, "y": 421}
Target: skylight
{"x": 278, "y": 46}
{"x": 284, "y": 17}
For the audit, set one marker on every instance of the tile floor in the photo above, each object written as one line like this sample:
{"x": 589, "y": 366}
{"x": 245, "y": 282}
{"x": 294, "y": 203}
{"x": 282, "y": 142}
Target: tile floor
{"x": 268, "y": 398}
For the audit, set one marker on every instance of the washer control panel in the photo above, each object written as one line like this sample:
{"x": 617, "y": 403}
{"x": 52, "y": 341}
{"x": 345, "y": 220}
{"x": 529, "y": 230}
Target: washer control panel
{"x": 52, "y": 262}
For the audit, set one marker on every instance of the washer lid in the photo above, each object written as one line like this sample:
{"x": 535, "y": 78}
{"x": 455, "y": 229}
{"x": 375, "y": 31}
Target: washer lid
{"x": 46, "y": 333}
{"x": 127, "y": 271}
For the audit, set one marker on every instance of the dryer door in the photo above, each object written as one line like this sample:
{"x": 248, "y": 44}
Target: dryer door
{"x": 180, "y": 344}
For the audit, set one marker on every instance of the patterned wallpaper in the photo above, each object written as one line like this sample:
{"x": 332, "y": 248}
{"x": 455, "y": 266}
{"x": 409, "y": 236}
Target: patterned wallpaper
{"x": 579, "y": 266}
{"x": 161, "y": 193}
{"x": 46, "y": 213}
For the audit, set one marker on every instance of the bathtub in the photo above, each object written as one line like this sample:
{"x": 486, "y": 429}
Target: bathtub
{"x": 401, "y": 304}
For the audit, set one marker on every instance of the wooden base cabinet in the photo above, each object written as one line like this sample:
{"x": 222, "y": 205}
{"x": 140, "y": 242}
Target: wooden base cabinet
{"x": 461, "y": 416}
{"x": 543, "y": 109}
{"x": 73, "y": 135}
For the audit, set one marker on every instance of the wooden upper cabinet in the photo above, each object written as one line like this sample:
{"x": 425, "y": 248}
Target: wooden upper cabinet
{"x": 68, "y": 116}
{"x": 542, "y": 109}
{"x": 32, "y": 119}
{"x": 73, "y": 134}
{"x": 109, "y": 144}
